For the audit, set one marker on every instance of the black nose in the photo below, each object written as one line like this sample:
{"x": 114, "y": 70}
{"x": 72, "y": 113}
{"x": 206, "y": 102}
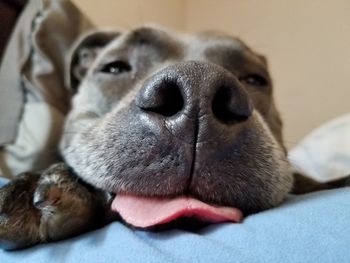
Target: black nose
{"x": 163, "y": 96}
{"x": 195, "y": 88}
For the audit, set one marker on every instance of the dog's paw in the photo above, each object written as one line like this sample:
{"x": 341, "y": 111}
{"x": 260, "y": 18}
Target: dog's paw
{"x": 19, "y": 220}
{"x": 67, "y": 205}
{"x": 304, "y": 184}
{"x": 347, "y": 181}
{"x": 51, "y": 206}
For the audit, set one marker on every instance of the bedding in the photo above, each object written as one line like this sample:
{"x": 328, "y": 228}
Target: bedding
{"x": 324, "y": 154}
{"x": 32, "y": 84}
{"x": 309, "y": 228}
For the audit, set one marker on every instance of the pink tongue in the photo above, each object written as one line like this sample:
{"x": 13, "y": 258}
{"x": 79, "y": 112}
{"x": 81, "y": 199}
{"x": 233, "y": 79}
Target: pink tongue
{"x": 145, "y": 211}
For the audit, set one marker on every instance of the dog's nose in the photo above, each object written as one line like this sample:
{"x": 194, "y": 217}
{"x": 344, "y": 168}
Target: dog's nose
{"x": 195, "y": 88}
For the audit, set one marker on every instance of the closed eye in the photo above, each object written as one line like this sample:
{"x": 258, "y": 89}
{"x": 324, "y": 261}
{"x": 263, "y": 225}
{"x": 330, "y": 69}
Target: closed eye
{"x": 116, "y": 67}
{"x": 254, "y": 80}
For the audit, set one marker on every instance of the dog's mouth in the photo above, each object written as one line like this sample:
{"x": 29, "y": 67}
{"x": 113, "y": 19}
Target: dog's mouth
{"x": 145, "y": 212}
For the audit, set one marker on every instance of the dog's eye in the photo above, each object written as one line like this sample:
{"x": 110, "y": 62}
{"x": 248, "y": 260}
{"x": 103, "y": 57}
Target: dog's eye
{"x": 116, "y": 67}
{"x": 254, "y": 80}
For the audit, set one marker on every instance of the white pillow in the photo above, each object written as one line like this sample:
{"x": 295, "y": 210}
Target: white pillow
{"x": 324, "y": 154}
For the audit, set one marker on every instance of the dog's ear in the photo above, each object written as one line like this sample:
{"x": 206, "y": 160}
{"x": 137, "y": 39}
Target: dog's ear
{"x": 263, "y": 59}
{"x": 83, "y": 53}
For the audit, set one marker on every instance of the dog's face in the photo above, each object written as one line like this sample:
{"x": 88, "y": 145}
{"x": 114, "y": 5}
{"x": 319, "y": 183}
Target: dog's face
{"x": 158, "y": 114}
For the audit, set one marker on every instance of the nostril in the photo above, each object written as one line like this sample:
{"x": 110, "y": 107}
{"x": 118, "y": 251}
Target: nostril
{"x": 164, "y": 98}
{"x": 231, "y": 104}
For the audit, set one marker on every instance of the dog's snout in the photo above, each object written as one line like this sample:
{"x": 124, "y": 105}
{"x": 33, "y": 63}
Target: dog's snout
{"x": 198, "y": 88}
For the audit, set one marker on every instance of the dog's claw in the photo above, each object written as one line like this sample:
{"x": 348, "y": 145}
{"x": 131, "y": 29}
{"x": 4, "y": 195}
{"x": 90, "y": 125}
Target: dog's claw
{"x": 46, "y": 194}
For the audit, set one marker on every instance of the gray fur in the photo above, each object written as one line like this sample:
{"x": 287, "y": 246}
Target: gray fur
{"x": 113, "y": 144}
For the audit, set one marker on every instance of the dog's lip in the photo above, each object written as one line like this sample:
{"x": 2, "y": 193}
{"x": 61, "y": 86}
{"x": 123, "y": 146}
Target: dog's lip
{"x": 145, "y": 212}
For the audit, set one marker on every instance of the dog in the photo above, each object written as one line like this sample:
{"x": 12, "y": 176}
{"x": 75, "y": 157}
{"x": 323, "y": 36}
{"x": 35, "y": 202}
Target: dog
{"x": 183, "y": 123}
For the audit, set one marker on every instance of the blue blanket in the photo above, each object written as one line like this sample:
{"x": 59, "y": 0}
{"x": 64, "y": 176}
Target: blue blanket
{"x": 309, "y": 228}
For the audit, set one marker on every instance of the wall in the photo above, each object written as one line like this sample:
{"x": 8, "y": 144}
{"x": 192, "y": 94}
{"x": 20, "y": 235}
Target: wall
{"x": 307, "y": 44}
{"x": 130, "y": 13}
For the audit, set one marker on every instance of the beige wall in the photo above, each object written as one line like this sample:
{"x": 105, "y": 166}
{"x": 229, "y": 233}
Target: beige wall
{"x": 307, "y": 44}
{"x": 130, "y": 13}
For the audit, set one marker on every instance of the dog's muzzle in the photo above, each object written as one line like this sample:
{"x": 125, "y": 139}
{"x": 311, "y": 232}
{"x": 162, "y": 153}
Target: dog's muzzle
{"x": 200, "y": 103}
{"x": 188, "y": 141}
